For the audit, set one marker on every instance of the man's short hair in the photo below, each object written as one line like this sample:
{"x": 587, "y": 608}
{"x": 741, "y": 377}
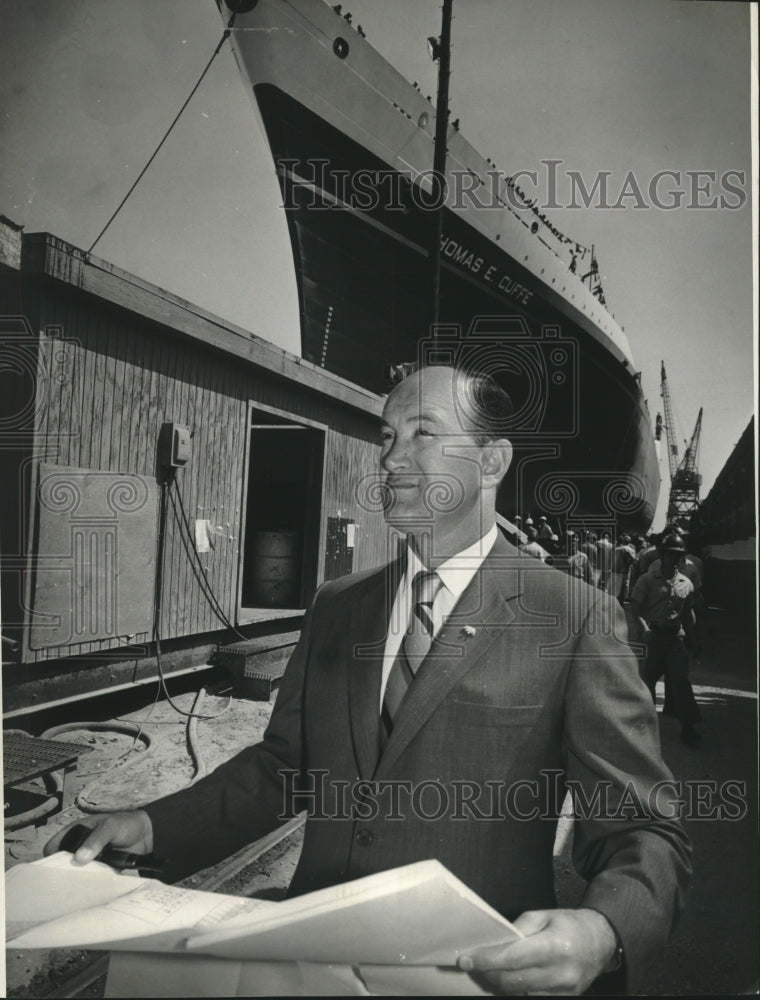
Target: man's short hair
{"x": 491, "y": 408}
{"x": 487, "y": 406}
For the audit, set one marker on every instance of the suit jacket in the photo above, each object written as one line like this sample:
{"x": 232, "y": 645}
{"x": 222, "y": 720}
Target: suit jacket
{"x": 529, "y": 688}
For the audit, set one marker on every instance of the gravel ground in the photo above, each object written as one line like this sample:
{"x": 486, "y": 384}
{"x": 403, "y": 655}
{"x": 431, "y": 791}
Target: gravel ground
{"x": 714, "y": 950}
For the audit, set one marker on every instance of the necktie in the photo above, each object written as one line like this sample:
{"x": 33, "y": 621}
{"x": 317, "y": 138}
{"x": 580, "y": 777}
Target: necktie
{"x": 414, "y": 648}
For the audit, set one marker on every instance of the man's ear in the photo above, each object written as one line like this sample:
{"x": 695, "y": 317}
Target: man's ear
{"x": 497, "y": 458}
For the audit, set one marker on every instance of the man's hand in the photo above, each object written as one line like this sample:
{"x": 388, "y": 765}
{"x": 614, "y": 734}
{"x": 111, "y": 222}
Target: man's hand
{"x": 128, "y": 831}
{"x": 563, "y": 952}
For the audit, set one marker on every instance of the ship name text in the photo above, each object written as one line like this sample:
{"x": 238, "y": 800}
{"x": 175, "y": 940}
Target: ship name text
{"x": 469, "y": 259}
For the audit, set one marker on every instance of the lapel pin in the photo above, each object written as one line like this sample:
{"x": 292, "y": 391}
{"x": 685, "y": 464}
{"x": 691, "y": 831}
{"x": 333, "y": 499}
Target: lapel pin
{"x": 468, "y": 631}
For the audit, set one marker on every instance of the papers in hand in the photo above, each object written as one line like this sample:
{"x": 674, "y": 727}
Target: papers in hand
{"x": 419, "y": 914}
{"x": 57, "y": 903}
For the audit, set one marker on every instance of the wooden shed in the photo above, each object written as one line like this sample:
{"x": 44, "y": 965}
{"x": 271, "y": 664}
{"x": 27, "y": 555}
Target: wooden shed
{"x": 145, "y": 440}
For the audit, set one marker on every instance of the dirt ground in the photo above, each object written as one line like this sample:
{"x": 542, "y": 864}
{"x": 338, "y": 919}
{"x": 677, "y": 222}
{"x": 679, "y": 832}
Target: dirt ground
{"x": 121, "y": 773}
{"x": 714, "y": 950}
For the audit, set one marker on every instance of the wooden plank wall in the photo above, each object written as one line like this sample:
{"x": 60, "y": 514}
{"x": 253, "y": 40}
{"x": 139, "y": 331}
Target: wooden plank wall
{"x": 122, "y": 376}
{"x": 350, "y": 490}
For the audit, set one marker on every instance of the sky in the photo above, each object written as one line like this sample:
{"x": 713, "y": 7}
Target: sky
{"x": 628, "y": 89}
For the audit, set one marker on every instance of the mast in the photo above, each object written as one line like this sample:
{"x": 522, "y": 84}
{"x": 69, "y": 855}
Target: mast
{"x": 441, "y": 51}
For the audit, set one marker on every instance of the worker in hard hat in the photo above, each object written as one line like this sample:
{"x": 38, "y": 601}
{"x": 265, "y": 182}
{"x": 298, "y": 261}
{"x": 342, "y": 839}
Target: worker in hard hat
{"x": 545, "y": 530}
{"x": 576, "y": 562}
{"x": 663, "y": 602}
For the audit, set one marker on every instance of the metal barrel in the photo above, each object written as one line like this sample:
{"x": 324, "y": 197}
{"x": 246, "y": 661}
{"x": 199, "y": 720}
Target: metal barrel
{"x": 277, "y": 568}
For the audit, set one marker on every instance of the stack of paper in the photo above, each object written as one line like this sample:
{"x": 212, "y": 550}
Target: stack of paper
{"x": 399, "y": 931}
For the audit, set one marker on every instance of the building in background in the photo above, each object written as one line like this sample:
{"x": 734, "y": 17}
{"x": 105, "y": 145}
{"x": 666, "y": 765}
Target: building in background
{"x": 725, "y": 529}
{"x": 165, "y": 474}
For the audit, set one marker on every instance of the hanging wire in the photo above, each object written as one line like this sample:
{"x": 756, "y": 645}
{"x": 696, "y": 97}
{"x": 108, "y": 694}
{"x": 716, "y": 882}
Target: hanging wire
{"x": 158, "y": 609}
{"x": 222, "y": 40}
{"x": 195, "y": 559}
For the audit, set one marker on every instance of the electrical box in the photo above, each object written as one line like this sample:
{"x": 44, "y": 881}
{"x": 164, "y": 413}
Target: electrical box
{"x": 181, "y": 448}
{"x": 174, "y": 444}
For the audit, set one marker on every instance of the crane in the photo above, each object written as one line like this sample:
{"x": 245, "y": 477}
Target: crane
{"x": 685, "y": 479}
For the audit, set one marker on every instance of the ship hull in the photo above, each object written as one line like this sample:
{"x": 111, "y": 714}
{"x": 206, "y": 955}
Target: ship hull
{"x": 362, "y": 231}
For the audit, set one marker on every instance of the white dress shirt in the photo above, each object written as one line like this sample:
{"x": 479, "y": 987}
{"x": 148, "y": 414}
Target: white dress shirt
{"x": 455, "y": 574}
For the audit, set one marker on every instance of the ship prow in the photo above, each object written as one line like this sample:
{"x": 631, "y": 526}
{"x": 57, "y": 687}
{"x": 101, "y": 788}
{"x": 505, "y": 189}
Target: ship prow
{"x": 353, "y": 143}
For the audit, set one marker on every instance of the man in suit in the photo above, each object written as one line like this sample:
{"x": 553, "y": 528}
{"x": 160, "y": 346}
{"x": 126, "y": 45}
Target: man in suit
{"x": 440, "y": 706}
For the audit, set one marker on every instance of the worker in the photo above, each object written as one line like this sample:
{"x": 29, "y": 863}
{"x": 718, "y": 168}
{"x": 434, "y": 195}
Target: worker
{"x": 604, "y": 550}
{"x": 545, "y": 530}
{"x": 575, "y": 563}
{"x": 647, "y": 555}
{"x": 690, "y": 569}
{"x": 530, "y": 529}
{"x": 623, "y": 559}
{"x": 588, "y": 546}
{"x": 662, "y": 602}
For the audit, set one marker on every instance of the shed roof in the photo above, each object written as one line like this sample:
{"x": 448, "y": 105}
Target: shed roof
{"x": 44, "y": 254}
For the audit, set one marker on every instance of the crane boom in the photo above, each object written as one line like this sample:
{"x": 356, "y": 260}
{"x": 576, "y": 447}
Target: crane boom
{"x": 688, "y": 464}
{"x": 669, "y": 422}
{"x": 685, "y": 480}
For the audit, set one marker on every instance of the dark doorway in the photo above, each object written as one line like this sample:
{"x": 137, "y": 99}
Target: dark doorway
{"x": 283, "y": 513}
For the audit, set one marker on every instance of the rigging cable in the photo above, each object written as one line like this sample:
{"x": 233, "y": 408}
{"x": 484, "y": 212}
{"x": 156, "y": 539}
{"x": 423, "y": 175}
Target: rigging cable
{"x": 222, "y": 40}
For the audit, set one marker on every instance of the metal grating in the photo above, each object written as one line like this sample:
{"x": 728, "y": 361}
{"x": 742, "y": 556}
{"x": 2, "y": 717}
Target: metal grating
{"x": 27, "y": 757}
